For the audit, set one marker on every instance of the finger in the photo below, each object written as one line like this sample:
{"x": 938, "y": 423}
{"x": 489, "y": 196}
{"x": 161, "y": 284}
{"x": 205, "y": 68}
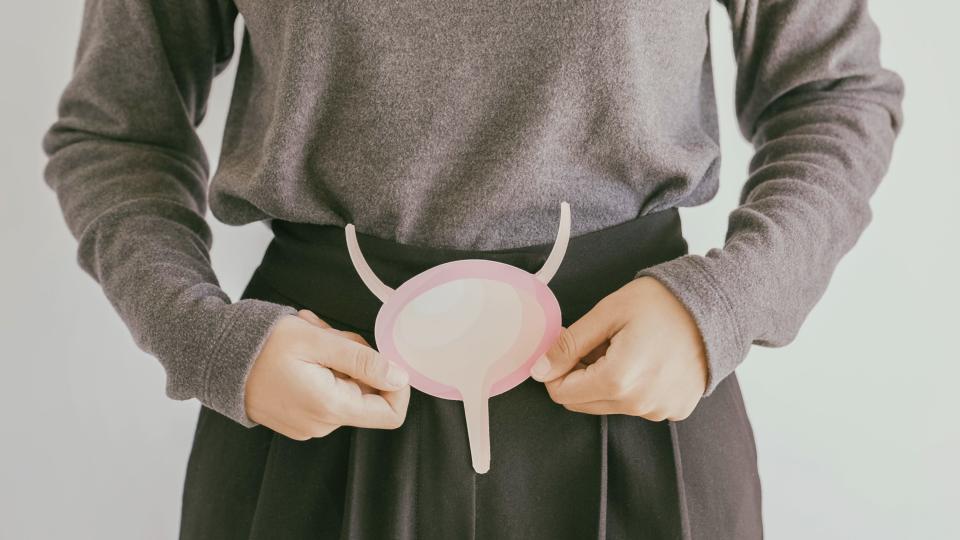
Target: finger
{"x": 349, "y": 388}
{"x": 597, "y": 381}
{"x": 612, "y": 406}
{"x": 316, "y": 429}
{"x": 320, "y": 429}
{"x": 292, "y": 434}
{"x": 575, "y": 342}
{"x": 312, "y": 318}
{"x": 286, "y": 429}
{"x": 364, "y": 387}
{"x": 398, "y": 400}
{"x": 603, "y": 406}
{"x": 362, "y": 363}
{"x": 363, "y": 410}
{"x": 594, "y": 355}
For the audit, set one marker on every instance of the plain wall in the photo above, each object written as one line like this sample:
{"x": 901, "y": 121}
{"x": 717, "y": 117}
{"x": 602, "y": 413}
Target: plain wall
{"x": 855, "y": 420}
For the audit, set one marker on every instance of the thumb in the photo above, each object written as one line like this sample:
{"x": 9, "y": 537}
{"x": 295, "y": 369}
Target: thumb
{"x": 365, "y": 365}
{"x": 574, "y": 343}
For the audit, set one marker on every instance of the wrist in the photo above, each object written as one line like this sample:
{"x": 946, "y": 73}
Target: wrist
{"x": 711, "y": 311}
{"x": 244, "y": 328}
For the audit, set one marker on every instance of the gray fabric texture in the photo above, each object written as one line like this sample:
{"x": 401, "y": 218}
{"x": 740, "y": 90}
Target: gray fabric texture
{"x": 462, "y": 125}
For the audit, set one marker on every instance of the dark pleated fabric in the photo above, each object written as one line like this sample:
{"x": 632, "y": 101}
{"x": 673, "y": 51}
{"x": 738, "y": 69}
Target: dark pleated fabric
{"x": 554, "y": 474}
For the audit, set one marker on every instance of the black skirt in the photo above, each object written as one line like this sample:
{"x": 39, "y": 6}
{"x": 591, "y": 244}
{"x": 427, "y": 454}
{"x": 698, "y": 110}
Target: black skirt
{"x": 554, "y": 474}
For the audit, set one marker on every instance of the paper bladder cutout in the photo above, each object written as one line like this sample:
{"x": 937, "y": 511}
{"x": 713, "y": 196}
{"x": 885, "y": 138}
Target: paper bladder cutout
{"x": 469, "y": 329}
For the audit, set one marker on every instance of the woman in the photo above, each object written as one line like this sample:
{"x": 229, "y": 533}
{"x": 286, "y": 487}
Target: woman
{"x": 448, "y": 131}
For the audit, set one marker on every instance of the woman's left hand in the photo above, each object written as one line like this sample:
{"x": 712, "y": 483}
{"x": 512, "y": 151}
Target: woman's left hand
{"x": 637, "y": 352}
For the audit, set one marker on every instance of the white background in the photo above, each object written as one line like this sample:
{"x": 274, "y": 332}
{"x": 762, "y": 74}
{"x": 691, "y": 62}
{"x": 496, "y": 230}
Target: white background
{"x": 856, "y": 420}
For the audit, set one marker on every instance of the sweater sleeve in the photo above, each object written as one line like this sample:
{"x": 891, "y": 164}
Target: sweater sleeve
{"x": 130, "y": 175}
{"x": 822, "y": 115}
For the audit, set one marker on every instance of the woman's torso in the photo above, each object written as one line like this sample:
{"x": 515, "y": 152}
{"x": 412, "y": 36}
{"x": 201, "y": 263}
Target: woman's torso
{"x": 464, "y": 124}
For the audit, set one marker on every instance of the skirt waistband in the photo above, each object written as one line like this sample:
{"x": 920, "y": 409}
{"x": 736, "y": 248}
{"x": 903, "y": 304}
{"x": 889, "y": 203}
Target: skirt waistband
{"x": 309, "y": 265}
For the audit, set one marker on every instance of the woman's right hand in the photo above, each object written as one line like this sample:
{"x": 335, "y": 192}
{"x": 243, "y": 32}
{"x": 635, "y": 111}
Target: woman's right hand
{"x": 309, "y": 379}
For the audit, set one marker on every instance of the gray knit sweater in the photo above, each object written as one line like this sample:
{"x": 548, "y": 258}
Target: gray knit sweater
{"x": 462, "y": 124}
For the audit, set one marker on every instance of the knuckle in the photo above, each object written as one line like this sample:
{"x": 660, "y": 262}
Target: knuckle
{"x": 318, "y": 408}
{"x": 655, "y": 416}
{"x": 348, "y": 410}
{"x": 403, "y": 406}
{"x": 647, "y": 404}
{"x": 656, "y": 370}
{"x": 332, "y": 410}
{"x": 572, "y": 408}
{"x": 603, "y": 408}
{"x": 636, "y": 409}
{"x": 567, "y": 343}
{"x": 322, "y": 430}
{"x": 552, "y": 391}
{"x": 353, "y": 336}
{"x": 617, "y": 387}
{"x": 296, "y": 435}
{"x": 683, "y": 413}
{"x": 366, "y": 361}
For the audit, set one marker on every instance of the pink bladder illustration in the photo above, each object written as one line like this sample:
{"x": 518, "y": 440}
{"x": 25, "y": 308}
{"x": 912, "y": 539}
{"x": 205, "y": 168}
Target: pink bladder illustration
{"x": 469, "y": 329}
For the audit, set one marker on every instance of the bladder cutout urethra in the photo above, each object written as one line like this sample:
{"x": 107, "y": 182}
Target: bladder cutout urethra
{"x": 469, "y": 329}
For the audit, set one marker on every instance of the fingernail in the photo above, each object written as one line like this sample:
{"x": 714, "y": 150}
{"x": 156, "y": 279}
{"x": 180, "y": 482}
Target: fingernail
{"x": 397, "y": 376}
{"x": 540, "y": 368}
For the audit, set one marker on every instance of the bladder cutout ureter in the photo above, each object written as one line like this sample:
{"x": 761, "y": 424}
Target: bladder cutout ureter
{"x": 469, "y": 329}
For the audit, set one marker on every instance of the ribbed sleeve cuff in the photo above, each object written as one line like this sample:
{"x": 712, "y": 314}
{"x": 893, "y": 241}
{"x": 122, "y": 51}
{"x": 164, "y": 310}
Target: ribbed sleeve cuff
{"x": 245, "y": 327}
{"x": 690, "y": 281}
